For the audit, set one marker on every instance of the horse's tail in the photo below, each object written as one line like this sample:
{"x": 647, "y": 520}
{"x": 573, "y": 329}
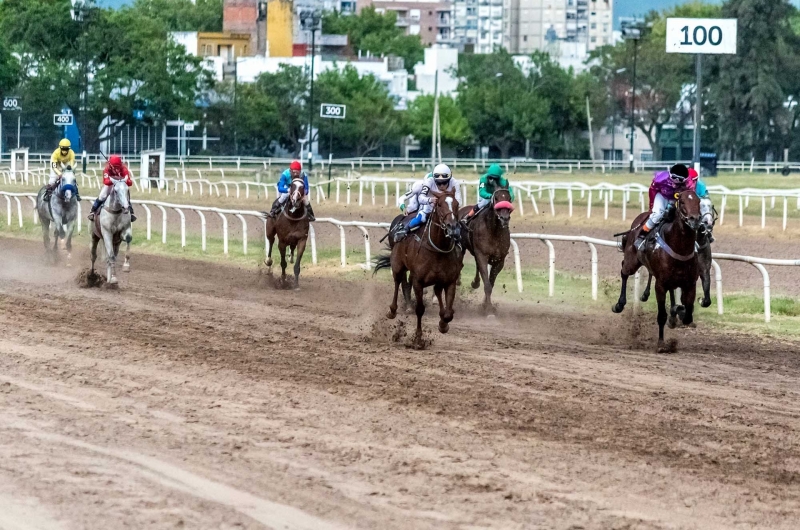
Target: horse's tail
{"x": 382, "y": 262}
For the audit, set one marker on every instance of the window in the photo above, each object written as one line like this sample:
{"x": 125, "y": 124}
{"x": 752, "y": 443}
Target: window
{"x": 594, "y": 39}
{"x": 594, "y": 26}
{"x": 430, "y": 28}
{"x": 525, "y": 38}
{"x": 605, "y": 28}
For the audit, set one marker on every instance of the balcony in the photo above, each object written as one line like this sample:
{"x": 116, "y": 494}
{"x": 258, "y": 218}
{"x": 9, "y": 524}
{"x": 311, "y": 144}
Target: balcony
{"x": 402, "y": 22}
{"x": 443, "y": 20}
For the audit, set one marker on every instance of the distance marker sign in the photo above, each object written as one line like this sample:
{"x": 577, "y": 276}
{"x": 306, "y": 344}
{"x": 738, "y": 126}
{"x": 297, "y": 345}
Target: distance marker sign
{"x": 701, "y": 35}
{"x": 329, "y": 110}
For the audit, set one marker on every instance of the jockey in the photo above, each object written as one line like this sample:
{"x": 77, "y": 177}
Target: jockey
{"x": 665, "y": 185}
{"x": 492, "y": 181}
{"x": 442, "y": 180}
{"x": 412, "y": 197}
{"x": 706, "y": 207}
{"x": 115, "y": 170}
{"x": 62, "y": 158}
{"x": 295, "y": 171}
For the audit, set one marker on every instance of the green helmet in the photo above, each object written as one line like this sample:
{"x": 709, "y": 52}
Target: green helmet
{"x": 495, "y": 171}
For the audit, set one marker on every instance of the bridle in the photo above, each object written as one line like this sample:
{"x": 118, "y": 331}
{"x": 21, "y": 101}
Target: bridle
{"x": 441, "y": 224}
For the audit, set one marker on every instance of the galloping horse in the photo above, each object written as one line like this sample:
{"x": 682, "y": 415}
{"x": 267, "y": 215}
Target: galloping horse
{"x": 61, "y": 210}
{"x": 703, "y": 249}
{"x": 432, "y": 256}
{"x": 113, "y": 225}
{"x": 671, "y": 259}
{"x": 488, "y": 238}
{"x": 291, "y": 227}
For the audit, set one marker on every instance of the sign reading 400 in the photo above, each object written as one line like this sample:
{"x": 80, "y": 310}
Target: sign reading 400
{"x": 701, "y": 35}
{"x": 329, "y": 110}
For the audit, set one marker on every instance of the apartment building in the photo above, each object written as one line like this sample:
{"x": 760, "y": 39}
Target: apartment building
{"x": 478, "y": 24}
{"x": 431, "y": 20}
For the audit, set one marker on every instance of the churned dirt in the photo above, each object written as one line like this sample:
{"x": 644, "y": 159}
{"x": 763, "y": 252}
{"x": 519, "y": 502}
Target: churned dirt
{"x": 195, "y": 397}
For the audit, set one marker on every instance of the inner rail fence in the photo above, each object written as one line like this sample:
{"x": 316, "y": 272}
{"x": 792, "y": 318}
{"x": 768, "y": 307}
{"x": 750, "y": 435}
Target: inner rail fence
{"x": 364, "y": 227}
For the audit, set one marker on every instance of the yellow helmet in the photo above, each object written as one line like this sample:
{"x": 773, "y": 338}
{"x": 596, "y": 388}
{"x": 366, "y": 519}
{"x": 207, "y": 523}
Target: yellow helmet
{"x": 66, "y": 144}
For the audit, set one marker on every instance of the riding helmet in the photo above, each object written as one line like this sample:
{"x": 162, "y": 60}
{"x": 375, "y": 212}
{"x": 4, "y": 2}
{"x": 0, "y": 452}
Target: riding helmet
{"x": 295, "y": 165}
{"x": 678, "y": 173}
{"x": 442, "y": 174}
{"x": 65, "y": 144}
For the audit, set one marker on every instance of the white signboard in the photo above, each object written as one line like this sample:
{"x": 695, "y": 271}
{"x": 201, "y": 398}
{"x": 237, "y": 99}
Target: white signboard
{"x": 701, "y": 35}
{"x": 12, "y": 103}
{"x": 330, "y": 110}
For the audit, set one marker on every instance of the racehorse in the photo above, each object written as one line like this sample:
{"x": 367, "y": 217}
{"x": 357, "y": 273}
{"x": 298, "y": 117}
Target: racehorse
{"x": 432, "y": 257}
{"x": 488, "y": 238}
{"x": 113, "y": 225}
{"x": 671, "y": 258}
{"x": 703, "y": 249}
{"x": 61, "y": 211}
{"x": 291, "y": 227}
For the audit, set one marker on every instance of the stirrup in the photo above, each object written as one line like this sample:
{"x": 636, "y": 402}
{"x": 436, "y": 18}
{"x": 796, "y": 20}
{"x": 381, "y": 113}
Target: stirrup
{"x": 90, "y": 216}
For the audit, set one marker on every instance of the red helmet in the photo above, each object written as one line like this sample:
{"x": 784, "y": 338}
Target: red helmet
{"x": 692, "y": 174}
{"x": 295, "y": 165}
{"x": 115, "y": 160}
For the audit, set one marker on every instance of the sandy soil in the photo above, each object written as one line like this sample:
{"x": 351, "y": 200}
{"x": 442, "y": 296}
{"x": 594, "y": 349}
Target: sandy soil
{"x": 195, "y": 397}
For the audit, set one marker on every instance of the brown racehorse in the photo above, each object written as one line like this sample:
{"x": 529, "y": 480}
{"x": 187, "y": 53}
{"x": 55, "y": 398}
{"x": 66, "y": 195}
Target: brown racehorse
{"x": 291, "y": 227}
{"x": 433, "y": 257}
{"x": 704, "y": 263}
{"x": 671, "y": 258}
{"x": 488, "y": 238}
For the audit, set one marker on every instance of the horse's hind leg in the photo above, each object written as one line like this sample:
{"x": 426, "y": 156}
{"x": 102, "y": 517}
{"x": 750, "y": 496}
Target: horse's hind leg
{"x": 420, "y": 310}
{"x": 646, "y": 294}
{"x": 282, "y": 250}
{"x": 630, "y": 264}
{"x": 95, "y": 241}
{"x": 126, "y": 267}
{"x": 399, "y": 278}
{"x": 438, "y": 290}
{"x": 477, "y": 281}
{"x": 301, "y": 247}
{"x": 673, "y": 310}
{"x": 661, "y": 298}
{"x": 406, "y": 286}
{"x": 271, "y": 241}
{"x": 687, "y": 299}
{"x": 705, "y": 279}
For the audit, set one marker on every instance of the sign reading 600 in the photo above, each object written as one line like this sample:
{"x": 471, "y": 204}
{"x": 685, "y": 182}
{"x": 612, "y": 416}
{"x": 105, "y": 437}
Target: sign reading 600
{"x": 12, "y": 103}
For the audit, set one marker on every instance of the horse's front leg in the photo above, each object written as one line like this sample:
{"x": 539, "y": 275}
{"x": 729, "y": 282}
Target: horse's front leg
{"x": 705, "y": 279}
{"x": 282, "y": 250}
{"x": 95, "y": 241}
{"x": 405, "y": 283}
{"x": 111, "y": 259}
{"x": 438, "y": 290}
{"x": 496, "y": 269}
{"x": 482, "y": 264}
{"x": 687, "y": 299}
{"x": 68, "y": 241}
{"x": 399, "y": 276}
{"x": 449, "y": 312}
{"x": 271, "y": 241}
{"x": 128, "y": 237}
{"x": 301, "y": 247}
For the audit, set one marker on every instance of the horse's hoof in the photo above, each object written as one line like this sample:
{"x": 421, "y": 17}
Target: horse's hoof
{"x": 672, "y": 322}
{"x": 691, "y": 325}
{"x": 391, "y": 315}
{"x": 662, "y": 347}
{"x": 617, "y": 308}
{"x": 444, "y": 327}
{"x": 705, "y": 303}
{"x": 126, "y": 268}
{"x": 475, "y": 285}
{"x": 113, "y": 281}
{"x": 645, "y": 297}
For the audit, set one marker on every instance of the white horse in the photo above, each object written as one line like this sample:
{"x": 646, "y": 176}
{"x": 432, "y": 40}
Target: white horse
{"x": 61, "y": 211}
{"x": 112, "y": 224}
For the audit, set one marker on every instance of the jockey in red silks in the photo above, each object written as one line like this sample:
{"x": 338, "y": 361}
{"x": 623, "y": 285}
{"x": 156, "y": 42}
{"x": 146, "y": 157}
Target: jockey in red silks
{"x": 665, "y": 185}
{"x": 115, "y": 170}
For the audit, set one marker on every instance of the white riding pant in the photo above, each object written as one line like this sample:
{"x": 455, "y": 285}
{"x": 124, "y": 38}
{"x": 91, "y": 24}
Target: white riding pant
{"x": 53, "y": 177}
{"x": 104, "y": 193}
{"x": 483, "y": 202}
{"x": 660, "y": 204}
{"x": 413, "y": 204}
{"x": 283, "y": 197}
{"x": 707, "y": 212}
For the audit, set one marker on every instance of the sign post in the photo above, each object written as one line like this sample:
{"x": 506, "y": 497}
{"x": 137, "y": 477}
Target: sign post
{"x": 700, "y": 36}
{"x": 11, "y": 103}
{"x": 330, "y": 110}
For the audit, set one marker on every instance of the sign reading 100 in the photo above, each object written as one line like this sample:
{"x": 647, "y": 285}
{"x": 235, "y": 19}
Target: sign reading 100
{"x": 701, "y": 35}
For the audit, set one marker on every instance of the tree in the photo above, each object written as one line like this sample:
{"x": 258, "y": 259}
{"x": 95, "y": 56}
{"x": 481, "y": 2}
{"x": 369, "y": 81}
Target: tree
{"x": 289, "y": 89}
{"x": 375, "y": 32}
{"x": 419, "y": 121}
{"x": 371, "y": 117}
{"x": 183, "y": 15}
{"x": 755, "y": 92}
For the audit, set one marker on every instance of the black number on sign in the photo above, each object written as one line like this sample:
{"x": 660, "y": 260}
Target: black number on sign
{"x": 705, "y": 35}
{"x": 685, "y": 30}
{"x": 711, "y": 35}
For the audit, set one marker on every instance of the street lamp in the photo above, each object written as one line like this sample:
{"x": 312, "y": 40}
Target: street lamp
{"x": 632, "y": 30}
{"x": 310, "y": 21}
{"x": 81, "y": 9}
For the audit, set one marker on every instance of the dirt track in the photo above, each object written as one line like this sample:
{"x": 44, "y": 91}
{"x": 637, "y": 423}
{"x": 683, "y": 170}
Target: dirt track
{"x": 179, "y": 401}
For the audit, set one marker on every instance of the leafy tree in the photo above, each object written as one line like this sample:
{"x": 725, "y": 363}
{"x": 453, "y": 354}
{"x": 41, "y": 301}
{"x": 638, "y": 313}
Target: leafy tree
{"x": 756, "y": 91}
{"x": 183, "y": 15}
{"x": 419, "y": 121}
{"x": 375, "y": 32}
{"x": 288, "y": 87}
{"x": 371, "y": 117}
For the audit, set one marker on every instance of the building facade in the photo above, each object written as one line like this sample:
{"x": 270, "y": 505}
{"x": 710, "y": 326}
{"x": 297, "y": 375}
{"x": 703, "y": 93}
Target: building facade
{"x": 530, "y": 25}
{"x": 431, "y": 20}
{"x": 478, "y": 25}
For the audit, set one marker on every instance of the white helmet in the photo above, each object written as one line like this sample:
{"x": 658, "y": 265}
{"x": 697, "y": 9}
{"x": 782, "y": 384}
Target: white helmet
{"x": 442, "y": 174}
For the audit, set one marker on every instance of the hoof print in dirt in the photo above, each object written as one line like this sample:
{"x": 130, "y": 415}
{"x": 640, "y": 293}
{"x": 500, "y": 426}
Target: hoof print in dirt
{"x": 88, "y": 279}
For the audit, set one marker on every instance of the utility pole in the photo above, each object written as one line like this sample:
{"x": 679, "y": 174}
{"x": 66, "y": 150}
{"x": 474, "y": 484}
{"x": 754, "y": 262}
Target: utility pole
{"x": 310, "y": 21}
{"x": 436, "y": 124}
{"x": 632, "y": 30}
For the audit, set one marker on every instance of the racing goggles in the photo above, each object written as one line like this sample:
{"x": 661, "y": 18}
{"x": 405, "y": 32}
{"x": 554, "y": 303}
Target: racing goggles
{"x": 677, "y": 178}
{"x": 441, "y": 178}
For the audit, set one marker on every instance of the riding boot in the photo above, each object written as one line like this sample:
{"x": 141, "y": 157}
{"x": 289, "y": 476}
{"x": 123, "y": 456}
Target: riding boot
{"x": 276, "y": 208}
{"x": 641, "y": 238}
{"x": 310, "y": 213}
{"x": 95, "y": 207}
{"x": 48, "y": 192}
{"x": 77, "y": 194}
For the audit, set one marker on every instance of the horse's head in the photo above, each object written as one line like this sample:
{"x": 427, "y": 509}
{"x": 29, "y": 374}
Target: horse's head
{"x": 297, "y": 191}
{"x": 118, "y": 198}
{"x": 688, "y": 207}
{"x": 501, "y": 204}
{"x": 68, "y": 185}
{"x": 445, "y": 212}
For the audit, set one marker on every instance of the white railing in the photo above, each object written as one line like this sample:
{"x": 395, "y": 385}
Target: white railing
{"x": 547, "y": 239}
